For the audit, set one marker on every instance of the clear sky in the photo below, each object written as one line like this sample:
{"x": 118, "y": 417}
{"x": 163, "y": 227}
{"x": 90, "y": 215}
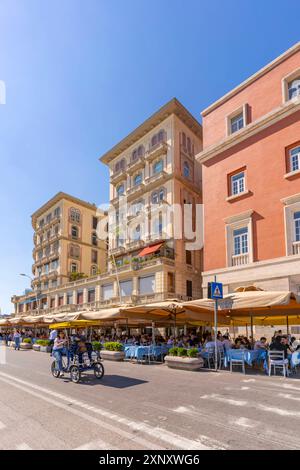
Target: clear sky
{"x": 81, "y": 74}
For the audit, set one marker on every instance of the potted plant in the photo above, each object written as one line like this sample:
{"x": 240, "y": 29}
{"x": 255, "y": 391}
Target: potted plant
{"x": 26, "y": 344}
{"x": 113, "y": 351}
{"x": 44, "y": 345}
{"x": 36, "y": 346}
{"x": 185, "y": 359}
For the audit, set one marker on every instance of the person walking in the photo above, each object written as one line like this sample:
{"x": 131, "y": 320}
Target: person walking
{"x": 17, "y": 340}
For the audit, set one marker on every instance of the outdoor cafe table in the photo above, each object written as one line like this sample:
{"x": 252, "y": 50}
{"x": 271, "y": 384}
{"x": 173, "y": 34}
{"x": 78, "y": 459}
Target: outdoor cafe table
{"x": 138, "y": 352}
{"x": 250, "y": 356}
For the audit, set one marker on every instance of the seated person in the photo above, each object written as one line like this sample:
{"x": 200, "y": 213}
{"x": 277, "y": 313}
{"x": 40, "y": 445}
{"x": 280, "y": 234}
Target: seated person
{"x": 238, "y": 344}
{"x": 280, "y": 344}
{"x": 227, "y": 343}
{"x": 261, "y": 344}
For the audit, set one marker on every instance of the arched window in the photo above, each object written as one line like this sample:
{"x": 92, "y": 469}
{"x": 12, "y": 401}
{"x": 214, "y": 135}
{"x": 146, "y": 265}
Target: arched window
{"x": 75, "y": 215}
{"x": 74, "y": 268}
{"x": 74, "y": 232}
{"x": 137, "y": 179}
{"x": 154, "y": 140}
{"x": 94, "y": 270}
{"x": 134, "y": 155}
{"x": 183, "y": 139}
{"x": 74, "y": 251}
{"x": 158, "y": 167}
{"x": 137, "y": 233}
{"x": 162, "y": 194}
{"x": 294, "y": 88}
{"x": 154, "y": 197}
{"x": 141, "y": 151}
{"x": 186, "y": 170}
{"x": 161, "y": 136}
{"x": 120, "y": 190}
{"x": 120, "y": 165}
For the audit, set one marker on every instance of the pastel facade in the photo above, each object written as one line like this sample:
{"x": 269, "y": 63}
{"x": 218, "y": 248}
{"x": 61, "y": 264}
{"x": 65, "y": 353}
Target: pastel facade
{"x": 251, "y": 180}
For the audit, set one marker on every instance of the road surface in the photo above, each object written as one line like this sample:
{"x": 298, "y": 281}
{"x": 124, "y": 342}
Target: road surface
{"x": 144, "y": 407}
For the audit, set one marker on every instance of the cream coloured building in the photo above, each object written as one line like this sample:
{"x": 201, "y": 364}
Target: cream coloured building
{"x": 151, "y": 170}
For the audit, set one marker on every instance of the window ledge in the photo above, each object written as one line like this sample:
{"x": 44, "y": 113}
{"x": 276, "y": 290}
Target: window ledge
{"x": 291, "y": 174}
{"x": 237, "y": 196}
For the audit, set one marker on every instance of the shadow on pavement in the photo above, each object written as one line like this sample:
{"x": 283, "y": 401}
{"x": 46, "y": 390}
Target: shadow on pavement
{"x": 114, "y": 381}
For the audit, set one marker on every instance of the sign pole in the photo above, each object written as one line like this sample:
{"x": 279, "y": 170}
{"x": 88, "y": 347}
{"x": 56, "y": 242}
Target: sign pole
{"x": 216, "y": 331}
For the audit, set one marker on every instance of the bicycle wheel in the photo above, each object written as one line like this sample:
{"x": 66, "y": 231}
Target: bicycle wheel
{"x": 54, "y": 372}
{"x": 75, "y": 374}
{"x": 98, "y": 370}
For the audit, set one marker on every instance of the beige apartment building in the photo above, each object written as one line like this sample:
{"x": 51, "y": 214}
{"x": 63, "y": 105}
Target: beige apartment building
{"x": 151, "y": 169}
{"x": 65, "y": 248}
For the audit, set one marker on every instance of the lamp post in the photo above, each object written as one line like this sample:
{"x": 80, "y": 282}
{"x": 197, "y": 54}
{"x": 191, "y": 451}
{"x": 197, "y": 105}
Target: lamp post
{"x": 37, "y": 292}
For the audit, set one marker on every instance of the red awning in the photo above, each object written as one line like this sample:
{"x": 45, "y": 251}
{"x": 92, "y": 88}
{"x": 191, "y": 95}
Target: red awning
{"x": 150, "y": 249}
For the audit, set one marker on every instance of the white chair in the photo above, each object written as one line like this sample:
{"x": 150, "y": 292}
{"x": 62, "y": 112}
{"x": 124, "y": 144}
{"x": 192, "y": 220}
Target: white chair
{"x": 221, "y": 357}
{"x": 238, "y": 359}
{"x": 277, "y": 360}
{"x": 211, "y": 357}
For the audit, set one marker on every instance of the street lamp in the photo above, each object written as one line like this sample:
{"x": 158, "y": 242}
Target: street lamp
{"x": 37, "y": 292}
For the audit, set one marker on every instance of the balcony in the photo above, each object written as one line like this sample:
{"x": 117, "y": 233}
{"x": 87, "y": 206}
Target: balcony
{"x": 156, "y": 151}
{"x": 240, "y": 260}
{"x": 187, "y": 152}
{"x": 118, "y": 176}
{"x": 155, "y": 179}
{"x": 296, "y": 248}
{"x": 135, "y": 191}
{"x": 135, "y": 165}
{"x": 135, "y": 245}
{"x": 119, "y": 250}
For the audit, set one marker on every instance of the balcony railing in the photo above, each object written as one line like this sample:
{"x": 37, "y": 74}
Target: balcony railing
{"x": 157, "y": 177}
{"x": 239, "y": 260}
{"x": 118, "y": 176}
{"x": 135, "y": 165}
{"x": 296, "y": 248}
{"x": 135, "y": 190}
{"x": 159, "y": 149}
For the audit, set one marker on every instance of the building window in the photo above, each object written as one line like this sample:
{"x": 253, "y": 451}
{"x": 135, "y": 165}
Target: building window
{"x": 57, "y": 212}
{"x": 54, "y": 283}
{"x": 238, "y": 183}
{"x": 69, "y": 298}
{"x": 137, "y": 179}
{"x": 75, "y": 215}
{"x": 240, "y": 241}
{"x": 158, "y": 138}
{"x": 107, "y": 291}
{"x": 46, "y": 268}
{"x": 60, "y": 300}
{"x": 158, "y": 167}
{"x": 297, "y": 226}
{"x": 74, "y": 268}
{"x": 80, "y": 297}
{"x": 48, "y": 218}
{"x": 188, "y": 257}
{"x": 126, "y": 288}
{"x": 120, "y": 190}
{"x": 186, "y": 170}
{"x": 74, "y": 251}
{"x": 137, "y": 233}
{"x": 94, "y": 256}
{"x": 189, "y": 288}
{"x": 171, "y": 282}
{"x": 41, "y": 223}
{"x": 158, "y": 196}
{"x": 294, "y": 88}
{"x": 141, "y": 151}
{"x": 74, "y": 232}
{"x": 91, "y": 295}
{"x": 94, "y": 239}
{"x": 295, "y": 159}
{"x": 47, "y": 250}
{"x": 94, "y": 270}
{"x": 120, "y": 165}
{"x": 94, "y": 223}
{"x": 54, "y": 264}
{"x": 237, "y": 123}
{"x": 147, "y": 285}
{"x": 46, "y": 285}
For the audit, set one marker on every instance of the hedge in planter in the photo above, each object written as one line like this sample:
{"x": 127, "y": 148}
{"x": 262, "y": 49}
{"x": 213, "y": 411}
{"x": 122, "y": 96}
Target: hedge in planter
{"x": 182, "y": 358}
{"x": 113, "y": 346}
{"x": 44, "y": 345}
{"x": 26, "y": 344}
{"x": 113, "y": 351}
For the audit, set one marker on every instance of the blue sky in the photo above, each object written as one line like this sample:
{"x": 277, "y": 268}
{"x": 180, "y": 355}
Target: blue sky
{"x": 81, "y": 74}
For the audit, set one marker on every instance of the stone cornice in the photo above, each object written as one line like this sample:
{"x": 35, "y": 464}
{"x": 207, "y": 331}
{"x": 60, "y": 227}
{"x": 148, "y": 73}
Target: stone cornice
{"x": 250, "y": 130}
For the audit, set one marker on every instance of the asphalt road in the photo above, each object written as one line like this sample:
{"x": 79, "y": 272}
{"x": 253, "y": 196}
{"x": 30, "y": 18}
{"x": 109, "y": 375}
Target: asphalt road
{"x": 144, "y": 407}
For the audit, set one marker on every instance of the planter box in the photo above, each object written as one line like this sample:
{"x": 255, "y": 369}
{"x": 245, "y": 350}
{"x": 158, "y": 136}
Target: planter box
{"x": 36, "y": 347}
{"x": 112, "y": 355}
{"x": 46, "y": 349}
{"x": 26, "y": 346}
{"x": 184, "y": 363}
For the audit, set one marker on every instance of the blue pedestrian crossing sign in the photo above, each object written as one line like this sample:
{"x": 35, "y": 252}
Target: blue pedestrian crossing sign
{"x": 216, "y": 290}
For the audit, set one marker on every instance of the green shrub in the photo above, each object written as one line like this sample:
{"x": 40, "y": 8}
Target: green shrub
{"x": 96, "y": 345}
{"x": 113, "y": 346}
{"x": 27, "y": 340}
{"x": 173, "y": 351}
{"x": 181, "y": 352}
{"x": 43, "y": 342}
{"x": 193, "y": 352}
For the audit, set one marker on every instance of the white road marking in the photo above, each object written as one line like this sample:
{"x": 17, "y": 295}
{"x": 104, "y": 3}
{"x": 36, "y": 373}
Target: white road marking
{"x": 245, "y": 388}
{"x": 171, "y": 439}
{"x": 249, "y": 380}
{"x": 23, "y": 446}
{"x": 230, "y": 401}
{"x": 96, "y": 445}
{"x": 288, "y": 396}
{"x": 2, "y": 425}
{"x": 279, "y": 411}
{"x": 245, "y": 422}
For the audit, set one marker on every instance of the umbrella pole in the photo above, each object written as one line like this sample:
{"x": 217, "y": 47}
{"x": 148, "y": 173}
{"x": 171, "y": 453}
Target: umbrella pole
{"x": 153, "y": 332}
{"x": 247, "y": 330}
{"x": 252, "y": 336}
{"x": 287, "y": 325}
